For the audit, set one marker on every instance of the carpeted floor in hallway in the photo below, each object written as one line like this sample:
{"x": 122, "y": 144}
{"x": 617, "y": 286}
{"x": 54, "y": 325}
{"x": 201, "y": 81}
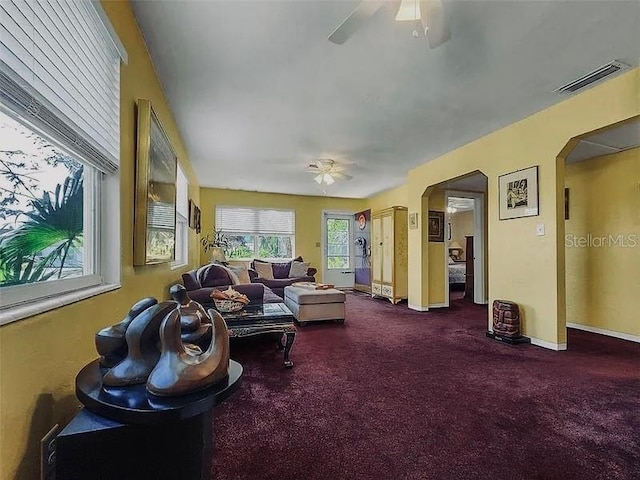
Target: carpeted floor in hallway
{"x": 399, "y": 394}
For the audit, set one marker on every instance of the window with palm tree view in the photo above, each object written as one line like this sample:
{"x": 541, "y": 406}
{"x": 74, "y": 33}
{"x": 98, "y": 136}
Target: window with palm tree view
{"x": 42, "y": 209}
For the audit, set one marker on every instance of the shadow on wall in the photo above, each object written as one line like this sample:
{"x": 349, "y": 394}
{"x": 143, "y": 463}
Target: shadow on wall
{"x": 44, "y": 417}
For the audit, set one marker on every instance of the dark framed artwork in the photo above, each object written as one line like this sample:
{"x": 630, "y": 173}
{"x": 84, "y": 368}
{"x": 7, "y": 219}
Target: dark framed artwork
{"x": 518, "y": 194}
{"x": 436, "y": 226}
{"x": 155, "y": 195}
{"x": 197, "y": 217}
{"x": 192, "y": 214}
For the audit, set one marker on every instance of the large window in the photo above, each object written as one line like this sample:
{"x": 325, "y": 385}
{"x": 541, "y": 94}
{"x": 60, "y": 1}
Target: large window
{"x": 257, "y": 232}
{"x": 59, "y": 155}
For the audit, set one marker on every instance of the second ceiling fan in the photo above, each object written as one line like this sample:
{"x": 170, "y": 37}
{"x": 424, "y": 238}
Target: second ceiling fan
{"x": 429, "y": 13}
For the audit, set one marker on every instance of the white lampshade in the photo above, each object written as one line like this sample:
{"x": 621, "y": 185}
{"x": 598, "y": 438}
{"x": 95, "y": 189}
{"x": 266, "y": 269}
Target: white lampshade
{"x": 455, "y": 245}
{"x": 217, "y": 255}
{"x": 324, "y": 178}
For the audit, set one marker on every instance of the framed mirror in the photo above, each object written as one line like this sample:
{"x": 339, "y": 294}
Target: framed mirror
{"x": 155, "y": 195}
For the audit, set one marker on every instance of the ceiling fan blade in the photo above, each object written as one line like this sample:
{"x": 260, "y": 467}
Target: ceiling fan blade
{"x": 341, "y": 176}
{"x": 434, "y": 22}
{"x": 312, "y": 169}
{"x": 354, "y": 21}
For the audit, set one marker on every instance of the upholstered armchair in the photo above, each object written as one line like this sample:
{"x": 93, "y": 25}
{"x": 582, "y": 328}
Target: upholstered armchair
{"x": 281, "y": 273}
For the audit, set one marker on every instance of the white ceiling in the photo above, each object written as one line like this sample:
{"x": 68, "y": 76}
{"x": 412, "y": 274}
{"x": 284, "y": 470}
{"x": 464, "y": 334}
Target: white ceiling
{"x": 612, "y": 140}
{"x": 258, "y": 92}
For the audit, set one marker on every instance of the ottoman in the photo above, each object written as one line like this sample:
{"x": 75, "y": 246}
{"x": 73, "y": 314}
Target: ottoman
{"x": 308, "y": 304}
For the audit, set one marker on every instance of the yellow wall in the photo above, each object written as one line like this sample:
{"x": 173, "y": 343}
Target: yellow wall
{"x": 436, "y": 275}
{"x": 308, "y": 215}
{"x": 40, "y": 356}
{"x": 389, "y": 198}
{"x": 603, "y": 278}
{"x": 462, "y": 224}
{"x": 524, "y": 268}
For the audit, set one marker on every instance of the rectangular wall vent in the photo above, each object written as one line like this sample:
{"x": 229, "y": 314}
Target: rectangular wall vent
{"x": 593, "y": 77}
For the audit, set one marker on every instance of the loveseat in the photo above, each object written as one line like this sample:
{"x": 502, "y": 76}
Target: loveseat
{"x": 200, "y": 282}
{"x": 281, "y": 275}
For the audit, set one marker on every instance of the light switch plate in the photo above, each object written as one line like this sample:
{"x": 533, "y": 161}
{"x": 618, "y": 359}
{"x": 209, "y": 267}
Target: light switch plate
{"x": 540, "y": 229}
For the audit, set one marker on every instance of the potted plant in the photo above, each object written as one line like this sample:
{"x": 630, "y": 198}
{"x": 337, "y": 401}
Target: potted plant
{"x": 216, "y": 242}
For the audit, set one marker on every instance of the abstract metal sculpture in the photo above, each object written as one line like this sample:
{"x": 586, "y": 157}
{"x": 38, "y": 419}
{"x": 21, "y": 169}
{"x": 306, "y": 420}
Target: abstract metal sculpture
{"x": 194, "y": 321}
{"x": 110, "y": 341}
{"x": 179, "y": 369}
{"x": 143, "y": 350}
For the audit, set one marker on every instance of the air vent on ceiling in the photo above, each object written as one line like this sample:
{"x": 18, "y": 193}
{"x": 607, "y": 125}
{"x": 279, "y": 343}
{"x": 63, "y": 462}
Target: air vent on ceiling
{"x": 592, "y": 77}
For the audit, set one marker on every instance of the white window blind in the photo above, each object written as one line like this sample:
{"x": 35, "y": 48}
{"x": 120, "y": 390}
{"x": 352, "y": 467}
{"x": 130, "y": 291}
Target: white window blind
{"x": 182, "y": 194}
{"x": 255, "y": 220}
{"x": 60, "y": 70}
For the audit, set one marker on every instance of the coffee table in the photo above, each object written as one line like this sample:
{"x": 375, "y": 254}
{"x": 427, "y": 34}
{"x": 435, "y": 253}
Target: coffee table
{"x": 262, "y": 319}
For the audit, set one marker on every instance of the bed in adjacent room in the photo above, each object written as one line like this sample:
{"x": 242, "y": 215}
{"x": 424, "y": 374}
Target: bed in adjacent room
{"x": 457, "y": 272}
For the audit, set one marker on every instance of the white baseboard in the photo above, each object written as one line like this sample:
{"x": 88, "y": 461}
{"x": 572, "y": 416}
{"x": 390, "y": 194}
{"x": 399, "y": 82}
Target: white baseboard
{"x": 550, "y": 345}
{"x": 438, "y": 305}
{"x": 603, "y": 331}
{"x": 418, "y": 308}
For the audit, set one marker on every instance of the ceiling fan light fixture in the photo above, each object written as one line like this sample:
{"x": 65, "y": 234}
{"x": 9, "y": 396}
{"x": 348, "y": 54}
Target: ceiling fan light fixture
{"x": 409, "y": 11}
{"x": 318, "y": 179}
{"x": 328, "y": 179}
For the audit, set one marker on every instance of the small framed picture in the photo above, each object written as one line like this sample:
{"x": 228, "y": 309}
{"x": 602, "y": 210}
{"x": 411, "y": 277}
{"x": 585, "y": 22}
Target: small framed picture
{"x": 197, "y": 215}
{"x": 518, "y": 194}
{"x": 413, "y": 221}
{"x": 192, "y": 214}
{"x": 436, "y": 226}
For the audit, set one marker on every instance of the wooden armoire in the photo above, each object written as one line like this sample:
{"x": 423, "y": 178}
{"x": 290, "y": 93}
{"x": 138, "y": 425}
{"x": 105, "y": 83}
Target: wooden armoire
{"x": 389, "y": 266}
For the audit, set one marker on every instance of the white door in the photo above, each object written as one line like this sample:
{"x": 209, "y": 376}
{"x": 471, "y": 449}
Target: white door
{"x": 338, "y": 263}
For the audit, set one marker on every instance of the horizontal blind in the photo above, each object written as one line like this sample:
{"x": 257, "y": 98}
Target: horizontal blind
{"x": 182, "y": 194}
{"x": 61, "y": 72}
{"x": 255, "y": 220}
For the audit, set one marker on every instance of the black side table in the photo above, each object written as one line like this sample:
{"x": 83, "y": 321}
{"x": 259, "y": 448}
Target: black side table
{"x": 125, "y": 433}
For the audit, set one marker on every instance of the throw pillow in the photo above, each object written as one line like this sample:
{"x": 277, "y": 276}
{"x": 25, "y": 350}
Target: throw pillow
{"x": 234, "y": 278}
{"x": 281, "y": 270}
{"x": 241, "y": 272}
{"x": 298, "y": 269}
{"x": 264, "y": 270}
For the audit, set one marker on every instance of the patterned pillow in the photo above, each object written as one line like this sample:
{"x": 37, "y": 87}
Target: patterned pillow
{"x": 241, "y": 272}
{"x": 264, "y": 270}
{"x": 299, "y": 269}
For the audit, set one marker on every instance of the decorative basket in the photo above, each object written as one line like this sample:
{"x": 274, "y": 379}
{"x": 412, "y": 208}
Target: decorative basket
{"x": 228, "y": 306}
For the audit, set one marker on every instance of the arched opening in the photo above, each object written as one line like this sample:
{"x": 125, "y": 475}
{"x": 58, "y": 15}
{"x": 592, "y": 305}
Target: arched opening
{"x": 457, "y": 240}
{"x": 599, "y": 217}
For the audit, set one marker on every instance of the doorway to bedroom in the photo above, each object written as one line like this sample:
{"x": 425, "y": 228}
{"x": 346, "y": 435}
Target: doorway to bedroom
{"x": 465, "y": 240}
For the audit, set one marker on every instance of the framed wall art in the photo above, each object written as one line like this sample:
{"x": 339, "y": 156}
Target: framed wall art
{"x": 155, "y": 195}
{"x": 413, "y": 221}
{"x": 192, "y": 213}
{"x": 518, "y": 194}
{"x": 436, "y": 226}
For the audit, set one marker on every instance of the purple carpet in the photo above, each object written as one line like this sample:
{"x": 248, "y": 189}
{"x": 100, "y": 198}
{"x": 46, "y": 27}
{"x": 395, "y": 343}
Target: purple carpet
{"x": 398, "y": 394}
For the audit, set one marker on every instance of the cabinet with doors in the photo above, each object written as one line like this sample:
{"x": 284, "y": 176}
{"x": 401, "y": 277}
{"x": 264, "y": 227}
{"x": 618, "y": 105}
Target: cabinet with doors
{"x": 389, "y": 266}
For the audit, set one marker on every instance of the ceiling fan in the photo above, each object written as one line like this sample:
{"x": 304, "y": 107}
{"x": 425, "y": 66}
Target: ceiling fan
{"x": 428, "y": 13}
{"x": 327, "y": 171}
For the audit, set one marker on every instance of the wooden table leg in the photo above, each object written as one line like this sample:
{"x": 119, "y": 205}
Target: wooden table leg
{"x": 291, "y": 336}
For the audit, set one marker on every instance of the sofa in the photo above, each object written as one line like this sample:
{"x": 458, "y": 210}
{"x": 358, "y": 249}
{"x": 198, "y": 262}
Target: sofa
{"x": 281, "y": 278}
{"x": 200, "y": 282}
